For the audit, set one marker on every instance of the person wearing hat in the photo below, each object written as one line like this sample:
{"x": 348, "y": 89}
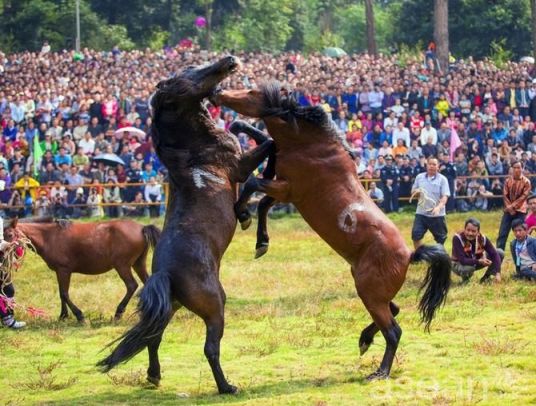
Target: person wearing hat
{"x": 7, "y": 291}
{"x": 390, "y": 177}
{"x": 406, "y": 179}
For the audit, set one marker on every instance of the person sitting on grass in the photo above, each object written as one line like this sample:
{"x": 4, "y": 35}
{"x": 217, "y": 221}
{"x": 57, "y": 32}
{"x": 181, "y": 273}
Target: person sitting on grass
{"x": 472, "y": 251}
{"x": 523, "y": 250}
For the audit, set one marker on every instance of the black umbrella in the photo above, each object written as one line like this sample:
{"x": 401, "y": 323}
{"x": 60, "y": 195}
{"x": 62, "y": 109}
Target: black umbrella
{"x": 109, "y": 159}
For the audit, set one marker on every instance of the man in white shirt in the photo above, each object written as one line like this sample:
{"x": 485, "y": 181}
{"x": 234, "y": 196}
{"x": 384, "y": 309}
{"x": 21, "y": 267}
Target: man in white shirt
{"x": 401, "y": 132}
{"x": 428, "y": 131}
{"x": 87, "y": 144}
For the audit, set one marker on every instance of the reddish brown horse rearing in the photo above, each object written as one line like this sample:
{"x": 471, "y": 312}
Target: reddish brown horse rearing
{"x": 315, "y": 173}
{"x": 90, "y": 249}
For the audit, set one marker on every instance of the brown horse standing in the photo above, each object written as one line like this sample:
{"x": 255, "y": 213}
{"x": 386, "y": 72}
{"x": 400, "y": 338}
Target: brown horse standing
{"x": 90, "y": 249}
{"x": 204, "y": 164}
{"x": 315, "y": 173}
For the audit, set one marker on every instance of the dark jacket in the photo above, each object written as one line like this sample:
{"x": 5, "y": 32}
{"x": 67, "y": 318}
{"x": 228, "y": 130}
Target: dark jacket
{"x": 531, "y": 249}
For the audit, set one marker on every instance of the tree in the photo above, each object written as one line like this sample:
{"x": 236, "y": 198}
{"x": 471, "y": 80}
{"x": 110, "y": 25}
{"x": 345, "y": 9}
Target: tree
{"x": 441, "y": 32}
{"x": 371, "y": 31}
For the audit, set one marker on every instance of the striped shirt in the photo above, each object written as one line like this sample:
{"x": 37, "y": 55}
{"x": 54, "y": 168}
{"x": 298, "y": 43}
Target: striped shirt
{"x": 515, "y": 193}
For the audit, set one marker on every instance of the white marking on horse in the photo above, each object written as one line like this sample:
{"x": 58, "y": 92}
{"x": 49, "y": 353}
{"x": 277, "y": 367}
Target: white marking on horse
{"x": 198, "y": 174}
{"x": 347, "y": 219}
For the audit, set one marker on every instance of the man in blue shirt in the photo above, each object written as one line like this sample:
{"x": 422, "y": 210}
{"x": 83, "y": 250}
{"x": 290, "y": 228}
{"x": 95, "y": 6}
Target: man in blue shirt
{"x": 523, "y": 250}
{"x": 63, "y": 158}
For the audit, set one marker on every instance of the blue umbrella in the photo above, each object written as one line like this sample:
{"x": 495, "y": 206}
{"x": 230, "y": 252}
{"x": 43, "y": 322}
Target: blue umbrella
{"x": 109, "y": 159}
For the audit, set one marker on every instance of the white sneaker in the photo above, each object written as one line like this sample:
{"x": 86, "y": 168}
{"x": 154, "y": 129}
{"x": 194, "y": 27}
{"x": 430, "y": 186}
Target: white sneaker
{"x": 10, "y": 322}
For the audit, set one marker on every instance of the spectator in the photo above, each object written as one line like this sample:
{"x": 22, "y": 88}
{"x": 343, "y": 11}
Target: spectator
{"x": 136, "y": 208}
{"x": 471, "y": 251}
{"x": 530, "y": 220}
{"x": 375, "y": 193}
{"x": 153, "y": 194}
{"x": 94, "y": 203}
{"x": 516, "y": 190}
{"x": 112, "y": 196}
{"x": 43, "y": 205}
{"x": 78, "y": 205}
{"x": 390, "y": 178}
{"x": 523, "y": 250}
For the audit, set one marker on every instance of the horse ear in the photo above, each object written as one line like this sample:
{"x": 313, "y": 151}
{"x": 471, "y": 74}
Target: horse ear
{"x": 14, "y": 222}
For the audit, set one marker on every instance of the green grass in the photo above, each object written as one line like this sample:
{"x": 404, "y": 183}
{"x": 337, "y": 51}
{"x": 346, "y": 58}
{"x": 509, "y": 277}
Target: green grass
{"x": 293, "y": 321}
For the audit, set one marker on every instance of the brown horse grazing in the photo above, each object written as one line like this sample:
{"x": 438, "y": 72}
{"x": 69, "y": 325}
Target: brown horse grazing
{"x": 315, "y": 173}
{"x": 90, "y": 249}
{"x": 204, "y": 164}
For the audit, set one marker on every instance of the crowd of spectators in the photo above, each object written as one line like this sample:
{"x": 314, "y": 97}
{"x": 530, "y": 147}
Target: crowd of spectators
{"x": 394, "y": 116}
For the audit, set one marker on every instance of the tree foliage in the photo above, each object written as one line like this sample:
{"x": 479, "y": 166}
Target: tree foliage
{"x": 268, "y": 25}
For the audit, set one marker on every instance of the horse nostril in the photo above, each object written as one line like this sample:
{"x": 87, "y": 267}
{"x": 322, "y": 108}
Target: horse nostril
{"x": 233, "y": 62}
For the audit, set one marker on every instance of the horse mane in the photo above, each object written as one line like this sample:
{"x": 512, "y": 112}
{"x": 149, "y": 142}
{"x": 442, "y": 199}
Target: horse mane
{"x": 62, "y": 223}
{"x": 288, "y": 109}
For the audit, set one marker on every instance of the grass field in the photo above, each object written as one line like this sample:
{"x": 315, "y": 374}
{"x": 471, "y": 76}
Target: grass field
{"x": 293, "y": 322}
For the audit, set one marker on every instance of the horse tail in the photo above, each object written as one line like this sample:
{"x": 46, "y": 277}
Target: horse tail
{"x": 436, "y": 284}
{"x": 155, "y": 311}
{"x": 151, "y": 233}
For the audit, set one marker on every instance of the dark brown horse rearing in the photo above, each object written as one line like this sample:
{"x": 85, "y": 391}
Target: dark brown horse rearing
{"x": 204, "y": 166}
{"x": 89, "y": 249}
{"x": 315, "y": 172}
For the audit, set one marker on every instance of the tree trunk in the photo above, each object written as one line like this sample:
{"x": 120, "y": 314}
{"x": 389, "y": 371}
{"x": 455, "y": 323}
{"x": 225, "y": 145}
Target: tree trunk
{"x": 441, "y": 33}
{"x": 533, "y": 24}
{"x": 208, "y": 13}
{"x": 371, "y": 30}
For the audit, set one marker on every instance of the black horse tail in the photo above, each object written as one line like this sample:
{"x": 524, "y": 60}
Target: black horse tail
{"x": 151, "y": 233}
{"x": 436, "y": 284}
{"x": 154, "y": 308}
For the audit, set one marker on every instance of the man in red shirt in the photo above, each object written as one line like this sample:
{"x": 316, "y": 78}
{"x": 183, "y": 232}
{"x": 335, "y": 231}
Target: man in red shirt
{"x": 516, "y": 190}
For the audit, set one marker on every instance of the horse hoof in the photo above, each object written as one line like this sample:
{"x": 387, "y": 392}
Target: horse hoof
{"x": 363, "y": 348}
{"x": 153, "y": 380}
{"x": 259, "y": 252}
{"x": 82, "y": 321}
{"x": 118, "y": 317}
{"x": 378, "y": 375}
{"x": 229, "y": 390}
{"x": 244, "y": 225}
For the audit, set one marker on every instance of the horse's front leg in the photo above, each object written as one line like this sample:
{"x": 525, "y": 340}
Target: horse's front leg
{"x": 64, "y": 280}
{"x": 277, "y": 189}
{"x": 263, "y": 238}
{"x": 240, "y": 126}
{"x": 252, "y": 159}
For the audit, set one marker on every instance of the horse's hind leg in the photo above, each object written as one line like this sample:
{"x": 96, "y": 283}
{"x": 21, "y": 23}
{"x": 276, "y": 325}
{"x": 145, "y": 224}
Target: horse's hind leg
{"x": 153, "y": 372}
{"x": 263, "y": 239}
{"x": 64, "y": 280}
{"x": 140, "y": 266}
{"x": 383, "y": 318}
{"x": 126, "y": 275}
{"x": 368, "y": 333}
{"x": 209, "y": 304}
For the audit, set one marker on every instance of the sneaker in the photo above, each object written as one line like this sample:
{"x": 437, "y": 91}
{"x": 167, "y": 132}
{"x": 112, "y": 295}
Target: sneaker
{"x": 10, "y": 322}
